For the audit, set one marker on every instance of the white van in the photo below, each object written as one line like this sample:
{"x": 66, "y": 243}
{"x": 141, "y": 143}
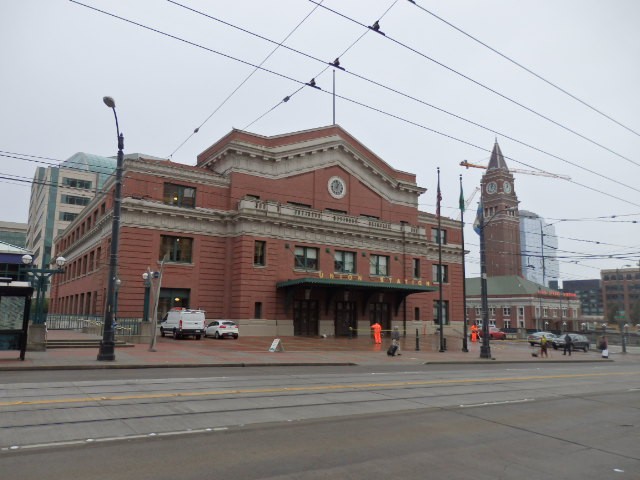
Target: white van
{"x": 182, "y": 322}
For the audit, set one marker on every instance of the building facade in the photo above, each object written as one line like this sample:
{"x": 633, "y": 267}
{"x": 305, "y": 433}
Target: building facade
{"x": 589, "y": 292}
{"x": 501, "y": 219}
{"x": 621, "y": 295}
{"x": 58, "y": 195}
{"x": 517, "y": 303}
{"x": 14, "y": 233}
{"x": 538, "y": 246}
{"x": 308, "y": 233}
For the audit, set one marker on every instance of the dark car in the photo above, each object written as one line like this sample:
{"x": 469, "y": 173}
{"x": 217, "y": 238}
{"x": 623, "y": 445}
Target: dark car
{"x": 578, "y": 342}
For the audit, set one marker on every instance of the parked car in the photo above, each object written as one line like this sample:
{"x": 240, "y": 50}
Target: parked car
{"x": 494, "y": 333}
{"x": 578, "y": 342}
{"x": 183, "y": 322}
{"x": 534, "y": 338}
{"x": 221, "y": 329}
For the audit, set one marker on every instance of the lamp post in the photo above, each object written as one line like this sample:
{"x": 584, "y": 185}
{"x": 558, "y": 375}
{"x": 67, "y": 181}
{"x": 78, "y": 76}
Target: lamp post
{"x": 485, "y": 348}
{"x": 40, "y": 280}
{"x": 147, "y": 290}
{"x": 107, "y": 345}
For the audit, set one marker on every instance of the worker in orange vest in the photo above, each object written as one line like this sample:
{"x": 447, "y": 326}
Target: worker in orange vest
{"x": 377, "y": 328}
{"x": 474, "y": 333}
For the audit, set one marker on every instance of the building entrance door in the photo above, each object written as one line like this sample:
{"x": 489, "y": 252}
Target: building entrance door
{"x": 380, "y": 312}
{"x": 346, "y": 321}
{"x": 305, "y": 318}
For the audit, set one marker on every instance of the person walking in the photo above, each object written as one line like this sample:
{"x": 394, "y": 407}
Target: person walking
{"x": 377, "y": 329}
{"x": 395, "y": 339}
{"x": 543, "y": 347}
{"x": 604, "y": 346}
{"x": 568, "y": 344}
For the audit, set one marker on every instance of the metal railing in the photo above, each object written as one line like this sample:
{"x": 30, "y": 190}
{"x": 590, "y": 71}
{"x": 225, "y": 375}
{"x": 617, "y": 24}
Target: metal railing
{"x": 125, "y": 326}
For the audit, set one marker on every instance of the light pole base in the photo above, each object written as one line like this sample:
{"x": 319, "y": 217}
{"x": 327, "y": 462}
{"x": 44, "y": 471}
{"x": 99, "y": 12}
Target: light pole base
{"x": 37, "y": 337}
{"x": 485, "y": 352}
{"x": 107, "y": 351}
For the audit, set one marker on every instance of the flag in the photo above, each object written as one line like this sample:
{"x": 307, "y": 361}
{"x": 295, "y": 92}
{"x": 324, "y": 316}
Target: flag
{"x": 439, "y": 198}
{"x": 478, "y": 221}
{"x": 462, "y": 202}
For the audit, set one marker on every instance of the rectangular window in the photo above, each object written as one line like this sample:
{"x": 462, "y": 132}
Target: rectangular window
{"x": 545, "y": 312}
{"x": 73, "y": 200}
{"x": 492, "y": 312}
{"x": 507, "y": 323}
{"x": 416, "y": 314}
{"x": 179, "y": 195}
{"x": 306, "y": 258}
{"x": 444, "y": 311}
{"x": 478, "y": 312}
{"x": 297, "y": 204}
{"x": 440, "y": 272}
{"x": 379, "y": 265}
{"x": 177, "y": 249}
{"x": 257, "y": 311}
{"x": 260, "y": 253}
{"x": 344, "y": 262}
{"x": 416, "y": 268}
{"x": 506, "y": 311}
{"x": 76, "y": 183}
{"x": 434, "y": 235}
{"x": 67, "y": 216}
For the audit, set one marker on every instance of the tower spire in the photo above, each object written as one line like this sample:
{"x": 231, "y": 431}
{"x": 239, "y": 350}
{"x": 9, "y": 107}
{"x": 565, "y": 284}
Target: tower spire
{"x": 497, "y": 159}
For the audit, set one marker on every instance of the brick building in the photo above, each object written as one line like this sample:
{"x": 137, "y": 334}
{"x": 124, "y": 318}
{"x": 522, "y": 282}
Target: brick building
{"x": 305, "y": 233}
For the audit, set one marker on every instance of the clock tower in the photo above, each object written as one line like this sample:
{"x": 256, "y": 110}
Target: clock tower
{"x": 502, "y": 221}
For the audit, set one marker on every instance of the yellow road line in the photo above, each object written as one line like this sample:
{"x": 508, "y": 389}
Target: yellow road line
{"x": 310, "y": 388}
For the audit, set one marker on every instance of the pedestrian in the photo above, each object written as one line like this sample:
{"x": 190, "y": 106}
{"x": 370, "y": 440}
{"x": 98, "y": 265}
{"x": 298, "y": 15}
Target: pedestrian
{"x": 604, "y": 346}
{"x": 474, "y": 333}
{"x": 543, "y": 347}
{"x": 377, "y": 329}
{"x": 395, "y": 339}
{"x": 568, "y": 344}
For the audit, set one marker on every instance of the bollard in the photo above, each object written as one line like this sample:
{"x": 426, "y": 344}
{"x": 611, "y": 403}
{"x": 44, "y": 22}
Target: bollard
{"x": 417, "y": 341}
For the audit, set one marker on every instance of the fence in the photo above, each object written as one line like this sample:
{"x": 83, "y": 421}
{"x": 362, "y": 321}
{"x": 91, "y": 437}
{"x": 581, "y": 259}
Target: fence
{"x": 92, "y": 323}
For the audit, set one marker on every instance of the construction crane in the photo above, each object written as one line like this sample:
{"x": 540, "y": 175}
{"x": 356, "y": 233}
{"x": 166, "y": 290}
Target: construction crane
{"x": 468, "y": 201}
{"x": 467, "y": 164}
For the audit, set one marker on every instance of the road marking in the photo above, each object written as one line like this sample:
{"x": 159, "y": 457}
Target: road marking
{"x": 486, "y": 404}
{"x": 309, "y": 388}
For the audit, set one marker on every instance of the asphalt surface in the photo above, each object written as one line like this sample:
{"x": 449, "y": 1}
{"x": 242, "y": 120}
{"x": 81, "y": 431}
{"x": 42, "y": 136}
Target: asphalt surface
{"x": 303, "y": 351}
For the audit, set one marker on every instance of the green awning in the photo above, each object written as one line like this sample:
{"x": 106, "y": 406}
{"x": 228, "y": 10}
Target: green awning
{"x": 356, "y": 284}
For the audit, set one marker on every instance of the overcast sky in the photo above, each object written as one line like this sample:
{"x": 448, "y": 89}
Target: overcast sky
{"x": 60, "y": 58}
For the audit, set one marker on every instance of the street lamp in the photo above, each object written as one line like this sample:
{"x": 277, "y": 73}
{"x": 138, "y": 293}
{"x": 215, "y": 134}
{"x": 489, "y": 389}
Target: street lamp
{"x": 485, "y": 348}
{"x": 40, "y": 279}
{"x": 147, "y": 290}
{"x": 564, "y": 326}
{"x": 107, "y": 345}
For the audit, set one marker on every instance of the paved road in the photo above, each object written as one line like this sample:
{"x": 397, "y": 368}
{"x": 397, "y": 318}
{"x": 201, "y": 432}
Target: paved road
{"x": 521, "y": 421}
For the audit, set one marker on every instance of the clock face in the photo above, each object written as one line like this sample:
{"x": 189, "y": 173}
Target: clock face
{"x": 506, "y": 187}
{"x": 337, "y": 187}
{"x": 492, "y": 187}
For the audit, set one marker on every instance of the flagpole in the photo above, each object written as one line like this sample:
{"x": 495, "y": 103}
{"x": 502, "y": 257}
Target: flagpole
{"x": 440, "y": 269}
{"x": 464, "y": 276}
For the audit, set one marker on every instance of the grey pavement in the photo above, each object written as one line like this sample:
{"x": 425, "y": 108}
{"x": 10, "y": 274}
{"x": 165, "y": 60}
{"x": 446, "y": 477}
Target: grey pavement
{"x": 254, "y": 351}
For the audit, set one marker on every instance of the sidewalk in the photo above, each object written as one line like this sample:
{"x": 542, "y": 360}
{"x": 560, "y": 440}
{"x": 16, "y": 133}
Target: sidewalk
{"x": 254, "y": 351}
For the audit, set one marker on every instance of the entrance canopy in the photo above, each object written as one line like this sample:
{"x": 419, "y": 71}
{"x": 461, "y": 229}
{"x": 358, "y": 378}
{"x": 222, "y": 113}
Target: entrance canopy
{"x": 334, "y": 286}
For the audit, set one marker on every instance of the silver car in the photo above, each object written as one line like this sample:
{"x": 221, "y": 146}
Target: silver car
{"x": 534, "y": 338}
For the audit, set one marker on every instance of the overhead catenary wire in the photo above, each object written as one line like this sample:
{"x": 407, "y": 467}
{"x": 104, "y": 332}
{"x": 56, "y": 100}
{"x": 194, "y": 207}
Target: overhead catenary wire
{"x": 482, "y": 85}
{"x": 526, "y": 69}
{"x": 246, "y": 79}
{"x": 355, "y": 102}
{"x": 398, "y": 92}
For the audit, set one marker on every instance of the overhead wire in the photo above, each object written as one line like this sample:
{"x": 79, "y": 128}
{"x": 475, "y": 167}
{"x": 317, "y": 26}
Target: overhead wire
{"x": 398, "y": 92}
{"x": 526, "y": 69}
{"x": 347, "y": 99}
{"x": 246, "y": 79}
{"x": 482, "y": 85}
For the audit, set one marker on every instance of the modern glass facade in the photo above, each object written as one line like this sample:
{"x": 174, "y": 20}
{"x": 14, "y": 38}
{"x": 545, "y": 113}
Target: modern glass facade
{"x": 538, "y": 246}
